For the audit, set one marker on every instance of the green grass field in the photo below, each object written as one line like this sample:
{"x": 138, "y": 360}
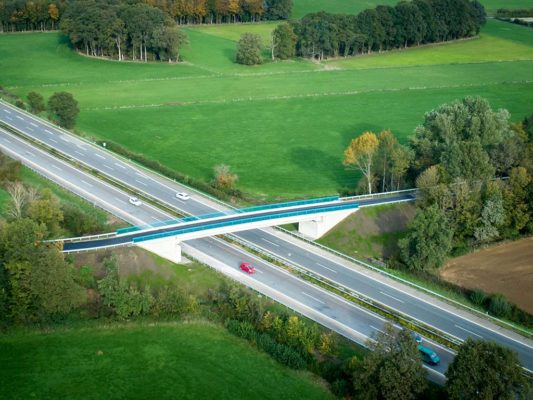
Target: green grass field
{"x": 281, "y": 126}
{"x": 302, "y": 7}
{"x": 172, "y": 361}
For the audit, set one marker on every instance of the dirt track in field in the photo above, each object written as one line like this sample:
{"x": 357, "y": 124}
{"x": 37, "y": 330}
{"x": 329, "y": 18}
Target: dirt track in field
{"x": 505, "y": 269}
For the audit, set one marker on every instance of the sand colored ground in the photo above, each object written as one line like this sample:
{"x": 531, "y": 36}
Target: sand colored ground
{"x": 505, "y": 269}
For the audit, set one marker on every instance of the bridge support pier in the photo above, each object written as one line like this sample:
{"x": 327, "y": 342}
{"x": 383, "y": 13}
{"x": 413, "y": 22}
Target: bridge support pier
{"x": 169, "y": 248}
{"x": 317, "y": 227}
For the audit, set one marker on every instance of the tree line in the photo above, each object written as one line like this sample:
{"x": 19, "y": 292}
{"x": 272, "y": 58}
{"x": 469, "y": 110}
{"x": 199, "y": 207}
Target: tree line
{"x": 34, "y": 15}
{"x": 412, "y": 23}
{"x": 119, "y": 30}
{"x": 31, "y": 15}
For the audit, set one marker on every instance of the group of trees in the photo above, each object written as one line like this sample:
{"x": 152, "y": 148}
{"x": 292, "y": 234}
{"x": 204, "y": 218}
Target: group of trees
{"x": 381, "y": 159}
{"x": 121, "y": 30}
{"x": 29, "y": 15}
{"x": 61, "y": 106}
{"x": 223, "y": 11}
{"x": 474, "y": 171}
{"x": 409, "y": 23}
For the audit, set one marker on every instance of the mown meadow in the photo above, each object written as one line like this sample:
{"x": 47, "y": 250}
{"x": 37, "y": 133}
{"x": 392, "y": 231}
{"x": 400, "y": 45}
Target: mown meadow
{"x": 281, "y": 126}
{"x": 186, "y": 360}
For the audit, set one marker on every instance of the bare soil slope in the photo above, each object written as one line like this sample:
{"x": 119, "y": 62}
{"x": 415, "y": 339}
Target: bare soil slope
{"x": 505, "y": 269}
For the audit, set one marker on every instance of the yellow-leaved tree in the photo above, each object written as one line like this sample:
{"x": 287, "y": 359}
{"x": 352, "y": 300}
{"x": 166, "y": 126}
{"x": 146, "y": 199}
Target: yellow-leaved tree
{"x": 360, "y": 154}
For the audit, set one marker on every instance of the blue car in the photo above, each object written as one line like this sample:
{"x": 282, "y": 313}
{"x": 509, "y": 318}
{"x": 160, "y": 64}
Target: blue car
{"x": 428, "y": 355}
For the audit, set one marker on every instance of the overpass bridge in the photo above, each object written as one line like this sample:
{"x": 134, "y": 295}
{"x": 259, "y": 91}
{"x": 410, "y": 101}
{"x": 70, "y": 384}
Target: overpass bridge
{"x": 314, "y": 216}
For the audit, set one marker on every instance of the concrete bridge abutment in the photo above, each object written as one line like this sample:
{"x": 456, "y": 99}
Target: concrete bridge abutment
{"x": 319, "y": 226}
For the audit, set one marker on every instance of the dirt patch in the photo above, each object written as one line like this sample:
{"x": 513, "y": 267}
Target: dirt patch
{"x": 132, "y": 261}
{"x": 505, "y": 269}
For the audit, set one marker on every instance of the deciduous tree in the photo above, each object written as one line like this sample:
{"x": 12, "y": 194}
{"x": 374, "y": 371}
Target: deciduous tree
{"x": 249, "y": 49}
{"x": 64, "y": 109}
{"x": 360, "y": 154}
{"x": 428, "y": 240}
{"x": 36, "y": 102}
{"x": 393, "y": 370}
{"x": 485, "y": 370}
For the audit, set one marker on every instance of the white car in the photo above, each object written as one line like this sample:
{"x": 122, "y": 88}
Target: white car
{"x": 183, "y": 196}
{"x": 135, "y": 201}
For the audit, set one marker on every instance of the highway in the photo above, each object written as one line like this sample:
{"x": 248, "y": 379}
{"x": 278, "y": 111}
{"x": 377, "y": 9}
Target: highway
{"x": 330, "y": 310}
{"x": 397, "y": 297}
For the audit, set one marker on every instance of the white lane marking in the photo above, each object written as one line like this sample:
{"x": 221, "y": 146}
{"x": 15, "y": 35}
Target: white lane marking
{"x": 107, "y": 166}
{"x": 9, "y": 118}
{"x": 63, "y": 137}
{"x": 81, "y": 147}
{"x": 323, "y": 266}
{"x": 272, "y": 243}
{"x": 99, "y": 156}
{"x": 142, "y": 183}
{"x": 53, "y": 140}
{"x": 19, "y": 117}
{"x": 34, "y": 124}
{"x": 314, "y": 298}
{"x": 392, "y": 297}
{"x": 141, "y": 175}
{"x": 6, "y": 139}
{"x": 50, "y": 132}
{"x": 376, "y": 329}
{"x": 466, "y": 330}
{"x": 30, "y": 153}
{"x": 87, "y": 183}
{"x": 56, "y": 167}
{"x": 30, "y": 129}
{"x": 122, "y": 201}
{"x": 79, "y": 153}
{"x": 120, "y": 165}
{"x": 7, "y": 111}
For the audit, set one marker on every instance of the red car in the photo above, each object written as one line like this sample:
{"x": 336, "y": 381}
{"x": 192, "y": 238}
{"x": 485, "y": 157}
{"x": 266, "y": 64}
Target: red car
{"x": 246, "y": 267}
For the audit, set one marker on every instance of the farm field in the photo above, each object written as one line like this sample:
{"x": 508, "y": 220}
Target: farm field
{"x": 164, "y": 361}
{"x": 302, "y": 7}
{"x": 269, "y": 123}
{"x": 505, "y": 269}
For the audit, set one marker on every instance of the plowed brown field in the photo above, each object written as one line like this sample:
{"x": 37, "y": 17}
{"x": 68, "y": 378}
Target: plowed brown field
{"x": 505, "y": 269}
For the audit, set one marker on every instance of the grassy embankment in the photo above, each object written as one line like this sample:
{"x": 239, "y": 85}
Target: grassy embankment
{"x": 30, "y": 178}
{"x": 269, "y": 122}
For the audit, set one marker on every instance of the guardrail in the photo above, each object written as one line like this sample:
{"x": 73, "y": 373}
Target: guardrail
{"x": 378, "y": 195}
{"x": 406, "y": 319}
{"x": 402, "y": 280}
{"x": 111, "y": 246}
{"x": 85, "y": 238}
{"x": 244, "y": 220}
{"x": 265, "y": 207}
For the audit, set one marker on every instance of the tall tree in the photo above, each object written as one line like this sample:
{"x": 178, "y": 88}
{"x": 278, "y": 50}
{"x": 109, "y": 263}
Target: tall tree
{"x": 64, "y": 109}
{"x": 393, "y": 370}
{"x": 283, "y": 42}
{"x": 360, "y": 154}
{"x": 428, "y": 240}
{"x": 485, "y": 370}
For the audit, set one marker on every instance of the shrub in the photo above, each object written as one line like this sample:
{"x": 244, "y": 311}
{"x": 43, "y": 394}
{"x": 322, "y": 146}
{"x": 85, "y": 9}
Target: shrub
{"x": 20, "y": 104}
{"x": 499, "y": 306}
{"x": 478, "y": 297}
